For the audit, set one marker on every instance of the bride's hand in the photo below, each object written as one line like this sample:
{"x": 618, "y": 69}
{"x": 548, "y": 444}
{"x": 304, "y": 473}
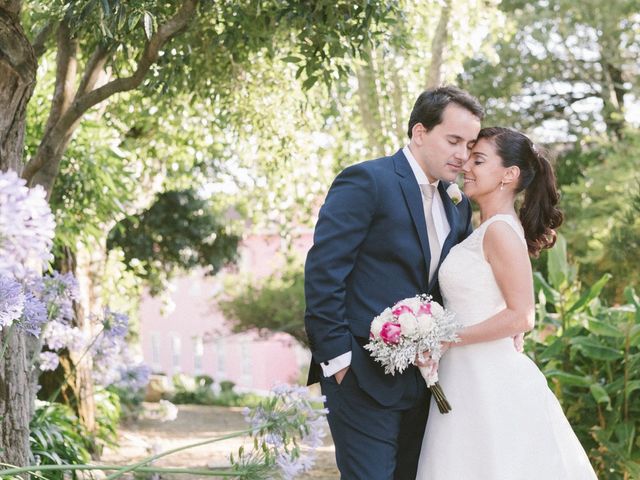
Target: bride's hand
{"x": 423, "y": 359}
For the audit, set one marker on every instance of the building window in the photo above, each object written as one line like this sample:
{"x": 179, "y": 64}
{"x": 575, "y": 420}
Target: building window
{"x": 198, "y": 353}
{"x": 176, "y": 348}
{"x": 156, "y": 361}
{"x": 220, "y": 358}
{"x": 246, "y": 363}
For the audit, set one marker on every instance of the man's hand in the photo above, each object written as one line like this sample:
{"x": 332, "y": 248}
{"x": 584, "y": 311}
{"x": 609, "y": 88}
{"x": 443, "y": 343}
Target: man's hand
{"x": 340, "y": 374}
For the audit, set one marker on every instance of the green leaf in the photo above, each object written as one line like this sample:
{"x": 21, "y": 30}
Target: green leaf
{"x": 557, "y": 263}
{"x": 591, "y": 348}
{"x": 540, "y": 283}
{"x": 600, "y": 394}
{"x": 570, "y": 378}
{"x": 106, "y": 8}
{"x": 632, "y": 386}
{"x": 635, "y": 336}
{"x": 292, "y": 59}
{"x": 605, "y": 329}
{"x": 309, "y": 82}
{"x": 593, "y": 292}
{"x": 147, "y": 22}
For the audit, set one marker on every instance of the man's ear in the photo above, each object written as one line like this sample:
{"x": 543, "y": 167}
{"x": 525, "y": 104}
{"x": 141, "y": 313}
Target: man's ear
{"x": 417, "y": 133}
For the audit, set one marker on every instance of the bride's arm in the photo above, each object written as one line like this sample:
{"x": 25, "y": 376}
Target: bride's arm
{"x": 511, "y": 267}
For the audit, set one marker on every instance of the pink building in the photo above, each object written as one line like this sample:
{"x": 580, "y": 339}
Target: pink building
{"x": 194, "y": 337}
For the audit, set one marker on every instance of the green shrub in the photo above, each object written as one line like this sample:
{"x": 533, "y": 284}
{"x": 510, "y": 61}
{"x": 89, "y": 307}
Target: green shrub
{"x": 58, "y": 438}
{"x": 590, "y": 353}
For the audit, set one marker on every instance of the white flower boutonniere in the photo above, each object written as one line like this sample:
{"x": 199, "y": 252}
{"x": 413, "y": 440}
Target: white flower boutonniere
{"x": 454, "y": 193}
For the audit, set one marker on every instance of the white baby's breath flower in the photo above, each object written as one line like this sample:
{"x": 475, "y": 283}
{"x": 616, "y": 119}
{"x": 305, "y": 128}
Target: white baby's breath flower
{"x": 454, "y": 193}
{"x": 408, "y": 324}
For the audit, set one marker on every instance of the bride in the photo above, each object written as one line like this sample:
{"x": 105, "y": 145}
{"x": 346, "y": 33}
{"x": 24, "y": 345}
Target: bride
{"x": 505, "y": 424}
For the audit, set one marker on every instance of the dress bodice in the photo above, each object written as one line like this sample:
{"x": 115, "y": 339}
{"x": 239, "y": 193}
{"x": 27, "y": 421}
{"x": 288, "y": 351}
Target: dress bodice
{"x": 467, "y": 283}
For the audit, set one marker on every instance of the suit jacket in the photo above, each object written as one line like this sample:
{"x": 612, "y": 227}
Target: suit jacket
{"x": 370, "y": 250}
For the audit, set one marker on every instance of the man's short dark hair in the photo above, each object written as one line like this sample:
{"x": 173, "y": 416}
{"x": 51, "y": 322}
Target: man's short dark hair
{"x": 431, "y": 103}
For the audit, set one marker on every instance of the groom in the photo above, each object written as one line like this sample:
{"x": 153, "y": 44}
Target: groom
{"x": 385, "y": 227}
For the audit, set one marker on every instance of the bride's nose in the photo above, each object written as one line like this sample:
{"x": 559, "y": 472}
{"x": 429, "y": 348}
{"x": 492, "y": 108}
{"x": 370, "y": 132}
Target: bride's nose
{"x": 466, "y": 166}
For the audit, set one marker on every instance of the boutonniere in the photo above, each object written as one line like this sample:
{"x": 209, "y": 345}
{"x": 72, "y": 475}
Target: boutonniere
{"x": 454, "y": 193}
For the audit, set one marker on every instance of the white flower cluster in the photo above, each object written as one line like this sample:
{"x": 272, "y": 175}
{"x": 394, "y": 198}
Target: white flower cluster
{"x": 408, "y": 328}
{"x": 26, "y": 227}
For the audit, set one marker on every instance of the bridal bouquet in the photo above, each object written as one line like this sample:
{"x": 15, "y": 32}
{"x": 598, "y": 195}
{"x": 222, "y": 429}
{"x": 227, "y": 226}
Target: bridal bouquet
{"x": 400, "y": 334}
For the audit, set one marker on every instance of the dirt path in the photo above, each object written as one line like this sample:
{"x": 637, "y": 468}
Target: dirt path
{"x": 197, "y": 423}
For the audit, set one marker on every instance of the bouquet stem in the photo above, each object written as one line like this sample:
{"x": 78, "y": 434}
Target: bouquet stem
{"x": 440, "y": 398}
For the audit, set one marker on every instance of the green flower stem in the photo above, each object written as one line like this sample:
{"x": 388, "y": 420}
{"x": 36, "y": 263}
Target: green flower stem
{"x": 141, "y": 466}
{"x": 13, "y": 467}
{"x": 152, "y": 458}
{"x": 52, "y": 468}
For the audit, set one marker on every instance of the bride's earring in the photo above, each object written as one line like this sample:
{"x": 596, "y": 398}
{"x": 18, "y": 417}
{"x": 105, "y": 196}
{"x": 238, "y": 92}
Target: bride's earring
{"x": 501, "y": 185}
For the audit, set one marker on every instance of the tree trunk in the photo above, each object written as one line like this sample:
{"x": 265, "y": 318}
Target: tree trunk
{"x": 434, "y": 77}
{"x": 368, "y": 100}
{"x": 17, "y": 79}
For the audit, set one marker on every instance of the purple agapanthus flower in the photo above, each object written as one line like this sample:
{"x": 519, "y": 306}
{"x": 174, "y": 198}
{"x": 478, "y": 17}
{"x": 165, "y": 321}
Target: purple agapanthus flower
{"x": 34, "y": 315}
{"x": 58, "y": 292}
{"x": 59, "y": 335}
{"x": 49, "y": 361}
{"x": 115, "y": 324}
{"x": 26, "y": 227}
{"x": 12, "y": 301}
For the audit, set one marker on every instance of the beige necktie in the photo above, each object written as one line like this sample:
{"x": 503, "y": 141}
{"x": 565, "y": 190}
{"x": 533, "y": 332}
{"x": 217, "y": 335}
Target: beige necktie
{"x": 434, "y": 245}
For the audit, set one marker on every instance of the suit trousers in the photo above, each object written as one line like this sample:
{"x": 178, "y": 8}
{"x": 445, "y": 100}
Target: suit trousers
{"x": 375, "y": 442}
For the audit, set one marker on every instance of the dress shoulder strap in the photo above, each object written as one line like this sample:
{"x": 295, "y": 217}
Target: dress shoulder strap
{"x": 509, "y": 220}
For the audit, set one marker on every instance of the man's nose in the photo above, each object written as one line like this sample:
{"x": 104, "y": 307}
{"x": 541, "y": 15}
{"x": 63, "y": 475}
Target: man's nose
{"x": 462, "y": 153}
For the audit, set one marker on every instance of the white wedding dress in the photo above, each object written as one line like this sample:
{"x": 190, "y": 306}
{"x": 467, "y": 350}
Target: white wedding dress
{"x": 505, "y": 423}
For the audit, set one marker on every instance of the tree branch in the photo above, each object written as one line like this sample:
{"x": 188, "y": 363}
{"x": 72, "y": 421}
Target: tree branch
{"x": 12, "y": 7}
{"x": 165, "y": 32}
{"x": 92, "y": 70}
{"x": 434, "y": 76}
{"x": 66, "y": 66}
{"x": 52, "y": 142}
{"x": 41, "y": 38}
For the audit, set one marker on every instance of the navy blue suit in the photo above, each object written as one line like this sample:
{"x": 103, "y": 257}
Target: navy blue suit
{"x": 370, "y": 250}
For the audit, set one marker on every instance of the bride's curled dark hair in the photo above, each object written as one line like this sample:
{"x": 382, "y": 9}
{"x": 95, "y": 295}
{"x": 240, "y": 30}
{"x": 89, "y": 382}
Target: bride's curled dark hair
{"x": 538, "y": 214}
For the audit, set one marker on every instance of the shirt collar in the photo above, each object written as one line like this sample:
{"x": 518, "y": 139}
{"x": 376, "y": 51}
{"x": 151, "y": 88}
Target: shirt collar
{"x": 421, "y": 177}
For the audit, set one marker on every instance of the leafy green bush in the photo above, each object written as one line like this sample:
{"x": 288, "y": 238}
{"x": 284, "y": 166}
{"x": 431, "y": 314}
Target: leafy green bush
{"x": 108, "y": 414}
{"x": 590, "y": 353}
{"x": 58, "y": 437}
{"x": 200, "y": 391}
{"x": 275, "y": 304}
{"x": 601, "y": 208}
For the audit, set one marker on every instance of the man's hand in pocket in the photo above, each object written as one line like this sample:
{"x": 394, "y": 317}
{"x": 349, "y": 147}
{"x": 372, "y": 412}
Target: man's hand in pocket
{"x": 340, "y": 374}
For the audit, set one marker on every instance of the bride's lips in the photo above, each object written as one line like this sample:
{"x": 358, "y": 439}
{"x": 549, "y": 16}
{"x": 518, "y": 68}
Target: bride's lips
{"x": 468, "y": 180}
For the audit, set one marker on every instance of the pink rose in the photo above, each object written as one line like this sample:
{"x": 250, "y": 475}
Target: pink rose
{"x": 390, "y": 333}
{"x": 425, "y": 308}
{"x": 401, "y": 309}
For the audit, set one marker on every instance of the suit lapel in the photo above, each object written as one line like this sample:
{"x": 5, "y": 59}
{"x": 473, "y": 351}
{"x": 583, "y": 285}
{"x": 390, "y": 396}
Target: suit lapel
{"x": 413, "y": 198}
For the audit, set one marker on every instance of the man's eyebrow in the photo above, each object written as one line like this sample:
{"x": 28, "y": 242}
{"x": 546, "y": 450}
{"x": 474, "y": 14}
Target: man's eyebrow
{"x": 453, "y": 135}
